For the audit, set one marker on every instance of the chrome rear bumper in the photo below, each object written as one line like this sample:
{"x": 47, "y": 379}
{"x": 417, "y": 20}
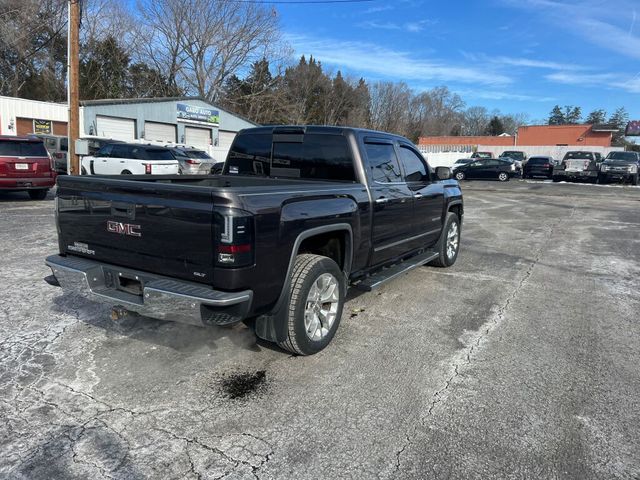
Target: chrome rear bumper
{"x": 149, "y": 294}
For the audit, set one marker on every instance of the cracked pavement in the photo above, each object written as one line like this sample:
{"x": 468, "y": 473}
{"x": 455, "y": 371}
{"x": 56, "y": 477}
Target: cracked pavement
{"x": 521, "y": 361}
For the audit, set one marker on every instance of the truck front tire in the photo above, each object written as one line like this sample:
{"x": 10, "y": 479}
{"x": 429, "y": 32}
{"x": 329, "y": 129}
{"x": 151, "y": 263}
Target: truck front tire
{"x": 315, "y": 304}
{"x": 448, "y": 245}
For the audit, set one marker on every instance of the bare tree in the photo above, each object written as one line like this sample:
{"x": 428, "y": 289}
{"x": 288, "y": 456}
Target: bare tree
{"x": 475, "y": 121}
{"x": 220, "y": 38}
{"x": 390, "y": 107}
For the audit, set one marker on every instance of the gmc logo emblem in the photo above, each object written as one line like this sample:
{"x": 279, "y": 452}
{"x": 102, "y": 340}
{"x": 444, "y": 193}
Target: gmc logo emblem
{"x": 124, "y": 228}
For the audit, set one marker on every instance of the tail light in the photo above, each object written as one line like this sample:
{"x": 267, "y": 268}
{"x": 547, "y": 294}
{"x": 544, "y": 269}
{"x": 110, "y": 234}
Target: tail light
{"x": 147, "y": 168}
{"x": 233, "y": 235}
{"x": 546, "y": 165}
{"x": 193, "y": 162}
{"x": 59, "y": 155}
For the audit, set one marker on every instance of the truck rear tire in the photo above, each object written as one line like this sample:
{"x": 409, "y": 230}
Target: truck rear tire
{"x": 315, "y": 304}
{"x": 38, "y": 194}
{"x": 448, "y": 245}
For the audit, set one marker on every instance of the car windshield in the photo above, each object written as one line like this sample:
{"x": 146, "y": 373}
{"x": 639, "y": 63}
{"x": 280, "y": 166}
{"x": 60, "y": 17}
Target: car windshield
{"x": 515, "y": 155}
{"x": 463, "y": 160}
{"x": 623, "y": 156}
{"x": 483, "y": 155}
{"x": 12, "y": 148}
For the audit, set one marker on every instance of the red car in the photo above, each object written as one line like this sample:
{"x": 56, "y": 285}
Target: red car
{"x": 25, "y": 165}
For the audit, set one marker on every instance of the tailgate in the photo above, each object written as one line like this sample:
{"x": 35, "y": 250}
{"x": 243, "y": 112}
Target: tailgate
{"x": 160, "y": 228}
{"x": 579, "y": 165}
{"x": 165, "y": 168}
{"x": 25, "y": 167}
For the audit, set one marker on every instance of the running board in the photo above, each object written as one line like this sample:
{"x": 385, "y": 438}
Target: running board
{"x": 386, "y": 274}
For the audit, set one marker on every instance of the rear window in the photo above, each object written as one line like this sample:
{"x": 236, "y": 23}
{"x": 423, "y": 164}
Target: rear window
{"x": 22, "y": 149}
{"x": 199, "y": 154}
{"x": 155, "y": 154}
{"x": 309, "y": 156}
{"x": 538, "y": 161}
{"x": 580, "y": 155}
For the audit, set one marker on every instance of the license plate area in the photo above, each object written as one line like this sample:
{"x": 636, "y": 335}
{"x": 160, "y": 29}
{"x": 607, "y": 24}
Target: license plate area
{"x": 22, "y": 166}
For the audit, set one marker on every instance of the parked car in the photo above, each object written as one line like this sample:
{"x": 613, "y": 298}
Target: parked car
{"x": 96, "y": 143}
{"x": 482, "y": 155}
{"x": 25, "y": 165}
{"x": 517, "y": 155}
{"x": 485, "y": 169}
{"x": 578, "y": 165}
{"x": 217, "y": 168}
{"x": 58, "y": 148}
{"x": 620, "y": 166}
{"x": 299, "y": 214}
{"x": 461, "y": 161}
{"x": 130, "y": 158}
{"x": 193, "y": 161}
{"x": 538, "y": 167}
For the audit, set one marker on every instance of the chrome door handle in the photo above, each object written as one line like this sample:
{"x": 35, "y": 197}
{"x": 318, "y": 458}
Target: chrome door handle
{"x": 382, "y": 200}
{"x": 417, "y": 195}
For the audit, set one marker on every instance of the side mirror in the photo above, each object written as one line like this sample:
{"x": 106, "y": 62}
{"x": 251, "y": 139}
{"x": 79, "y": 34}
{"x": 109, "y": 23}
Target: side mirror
{"x": 443, "y": 173}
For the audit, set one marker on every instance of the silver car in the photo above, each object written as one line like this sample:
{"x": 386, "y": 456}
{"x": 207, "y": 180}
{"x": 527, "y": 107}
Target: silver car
{"x": 193, "y": 161}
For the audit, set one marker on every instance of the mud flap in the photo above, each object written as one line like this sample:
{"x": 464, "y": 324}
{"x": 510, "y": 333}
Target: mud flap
{"x": 273, "y": 327}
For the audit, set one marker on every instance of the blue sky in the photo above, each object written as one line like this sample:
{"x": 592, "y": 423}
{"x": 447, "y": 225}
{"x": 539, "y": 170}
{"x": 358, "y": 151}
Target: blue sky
{"x": 514, "y": 55}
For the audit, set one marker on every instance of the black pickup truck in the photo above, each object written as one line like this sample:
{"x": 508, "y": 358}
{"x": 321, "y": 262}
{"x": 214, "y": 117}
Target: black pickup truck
{"x": 297, "y": 216}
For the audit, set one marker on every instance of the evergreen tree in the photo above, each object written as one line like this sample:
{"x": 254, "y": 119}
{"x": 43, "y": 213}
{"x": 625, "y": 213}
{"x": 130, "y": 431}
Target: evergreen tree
{"x": 556, "y": 117}
{"x": 495, "y": 126}
{"x": 596, "y": 116}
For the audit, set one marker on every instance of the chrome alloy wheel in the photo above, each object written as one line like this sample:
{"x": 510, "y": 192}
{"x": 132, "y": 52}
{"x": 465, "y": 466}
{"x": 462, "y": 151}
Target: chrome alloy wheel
{"x": 322, "y": 306}
{"x": 453, "y": 238}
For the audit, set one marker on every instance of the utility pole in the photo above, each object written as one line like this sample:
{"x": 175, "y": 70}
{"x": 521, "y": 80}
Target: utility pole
{"x": 73, "y": 83}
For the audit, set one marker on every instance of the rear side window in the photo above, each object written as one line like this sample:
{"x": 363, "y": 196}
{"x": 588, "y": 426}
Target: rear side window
{"x": 250, "y": 155}
{"x": 319, "y": 157}
{"x": 383, "y": 163}
{"x": 22, "y": 149}
{"x": 415, "y": 169}
{"x": 105, "y": 151}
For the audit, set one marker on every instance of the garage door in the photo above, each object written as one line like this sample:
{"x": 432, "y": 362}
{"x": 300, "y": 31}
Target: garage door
{"x": 197, "y": 137}
{"x": 225, "y": 139}
{"x": 116, "y": 128}
{"x": 160, "y": 132}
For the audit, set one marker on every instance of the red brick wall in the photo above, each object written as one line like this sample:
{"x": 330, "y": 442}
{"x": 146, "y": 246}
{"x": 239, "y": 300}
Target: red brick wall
{"x": 562, "y": 135}
{"x": 498, "y": 141}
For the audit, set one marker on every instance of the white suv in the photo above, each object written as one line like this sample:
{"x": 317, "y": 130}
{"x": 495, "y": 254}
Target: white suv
{"x": 127, "y": 159}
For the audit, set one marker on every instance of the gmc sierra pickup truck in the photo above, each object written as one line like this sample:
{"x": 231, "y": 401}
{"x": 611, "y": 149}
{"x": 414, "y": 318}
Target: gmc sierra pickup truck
{"x": 297, "y": 216}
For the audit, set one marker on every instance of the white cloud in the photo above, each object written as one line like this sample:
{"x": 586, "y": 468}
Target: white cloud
{"x": 530, "y": 63}
{"x": 499, "y": 95}
{"x": 413, "y": 27}
{"x": 609, "y": 80}
{"x": 377, "y": 9}
{"x": 383, "y": 62}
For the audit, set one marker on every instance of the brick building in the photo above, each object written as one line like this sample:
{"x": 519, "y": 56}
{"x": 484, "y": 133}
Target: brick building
{"x": 536, "y": 135}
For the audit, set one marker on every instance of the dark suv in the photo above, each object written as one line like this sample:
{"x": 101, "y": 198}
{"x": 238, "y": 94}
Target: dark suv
{"x": 25, "y": 165}
{"x": 538, "y": 167}
{"x": 620, "y": 166}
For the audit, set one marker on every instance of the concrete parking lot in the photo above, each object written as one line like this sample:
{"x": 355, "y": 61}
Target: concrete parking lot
{"x": 521, "y": 361}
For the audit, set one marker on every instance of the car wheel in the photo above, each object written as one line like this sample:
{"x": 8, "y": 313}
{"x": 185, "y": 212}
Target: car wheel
{"x": 448, "y": 245}
{"x": 38, "y": 194}
{"x": 125, "y": 172}
{"x": 503, "y": 176}
{"x": 634, "y": 180}
{"x": 555, "y": 179}
{"x": 602, "y": 180}
{"x": 460, "y": 176}
{"x": 315, "y": 304}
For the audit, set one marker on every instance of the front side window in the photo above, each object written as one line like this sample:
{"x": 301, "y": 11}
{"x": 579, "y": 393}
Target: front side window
{"x": 120, "y": 151}
{"x": 383, "y": 163}
{"x": 105, "y": 151}
{"x": 415, "y": 169}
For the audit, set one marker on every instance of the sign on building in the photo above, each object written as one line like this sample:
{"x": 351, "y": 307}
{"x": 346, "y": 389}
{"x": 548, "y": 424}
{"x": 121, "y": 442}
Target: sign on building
{"x": 633, "y": 129}
{"x": 43, "y": 126}
{"x": 200, "y": 115}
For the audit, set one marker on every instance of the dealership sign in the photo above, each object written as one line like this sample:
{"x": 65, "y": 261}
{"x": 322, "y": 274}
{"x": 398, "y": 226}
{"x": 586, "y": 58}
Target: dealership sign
{"x": 200, "y": 115}
{"x": 633, "y": 129}
{"x": 42, "y": 126}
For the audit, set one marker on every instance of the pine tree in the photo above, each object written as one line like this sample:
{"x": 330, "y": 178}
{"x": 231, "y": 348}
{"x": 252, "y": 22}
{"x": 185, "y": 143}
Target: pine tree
{"x": 556, "y": 117}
